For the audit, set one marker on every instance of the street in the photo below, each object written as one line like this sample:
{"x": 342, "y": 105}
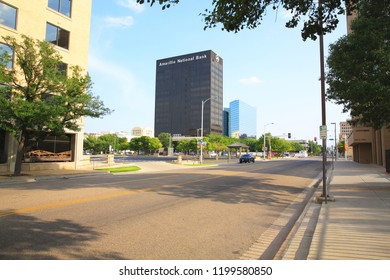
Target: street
{"x": 214, "y": 212}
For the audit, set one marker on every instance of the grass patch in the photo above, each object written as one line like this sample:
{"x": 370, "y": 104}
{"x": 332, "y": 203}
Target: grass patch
{"x": 121, "y": 169}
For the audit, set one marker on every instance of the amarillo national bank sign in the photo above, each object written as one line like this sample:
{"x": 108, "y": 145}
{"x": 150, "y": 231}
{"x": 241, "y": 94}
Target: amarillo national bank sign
{"x": 183, "y": 60}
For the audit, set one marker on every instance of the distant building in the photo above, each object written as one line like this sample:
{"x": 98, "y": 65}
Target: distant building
{"x": 345, "y": 132}
{"x": 183, "y": 84}
{"x": 242, "y": 120}
{"x": 225, "y": 122}
{"x": 140, "y": 131}
{"x": 345, "y": 129}
{"x": 65, "y": 24}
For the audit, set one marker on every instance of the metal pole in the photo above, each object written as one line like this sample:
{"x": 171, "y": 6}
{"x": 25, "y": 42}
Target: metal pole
{"x": 264, "y": 145}
{"x": 323, "y": 103}
{"x": 264, "y": 139}
{"x": 201, "y": 132}
{"x": 335, "y": 143}
{"x": 345, "y": 147}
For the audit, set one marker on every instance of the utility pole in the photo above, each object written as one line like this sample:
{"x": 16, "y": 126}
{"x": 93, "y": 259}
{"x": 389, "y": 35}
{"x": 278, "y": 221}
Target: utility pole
{"x": 323, "y": 103}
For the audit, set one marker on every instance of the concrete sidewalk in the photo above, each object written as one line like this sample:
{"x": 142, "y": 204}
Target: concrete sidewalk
{"x": 356, "y": 226}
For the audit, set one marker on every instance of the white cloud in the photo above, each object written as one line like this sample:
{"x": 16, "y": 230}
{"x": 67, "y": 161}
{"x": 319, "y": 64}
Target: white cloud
{"x": 122, "y": 22}
{"x": 120, "y": 91}
{"x": 131, "y": 4}
{"x": 250, "y": 81}
{"x": 113, "y": 74}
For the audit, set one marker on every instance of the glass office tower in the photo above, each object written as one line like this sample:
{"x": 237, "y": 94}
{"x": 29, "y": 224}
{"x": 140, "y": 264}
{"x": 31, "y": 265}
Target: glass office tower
{"x": 242, "y": 119}
{"x": 225, "y": 122}
{"x": 182, "y": 83}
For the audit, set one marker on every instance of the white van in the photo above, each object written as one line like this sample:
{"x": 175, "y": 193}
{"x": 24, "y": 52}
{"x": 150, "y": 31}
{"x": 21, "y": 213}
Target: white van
{"x": 301, "y": 154}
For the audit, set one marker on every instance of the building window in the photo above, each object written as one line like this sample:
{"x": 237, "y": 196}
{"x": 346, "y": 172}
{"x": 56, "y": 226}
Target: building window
{"x": 6, "y": 55}
{"x": 7, "y": 15}
{"x": 57, "y": 36}
{"x": 62, "y": 6}
{"x": 52, "y": 148}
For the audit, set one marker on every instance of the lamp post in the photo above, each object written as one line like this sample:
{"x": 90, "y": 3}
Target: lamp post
{"x": 335, "y": 152}
{"x": 323, "y": 103}
{"x": 201, "y": 131}
{"x": 264, "y": 139}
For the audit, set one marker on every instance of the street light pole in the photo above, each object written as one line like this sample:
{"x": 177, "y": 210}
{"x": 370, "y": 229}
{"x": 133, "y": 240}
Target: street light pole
{"x": 264, "y": 139}
{"x": 323, "y": 103}
{"x": 335, "y": 151}
{"x": 201, "y": 132}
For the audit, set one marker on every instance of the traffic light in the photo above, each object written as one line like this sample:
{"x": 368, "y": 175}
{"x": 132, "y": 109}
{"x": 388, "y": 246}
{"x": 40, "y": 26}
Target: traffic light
{"x": 289, "y": 135}
{"x": 315, "y": 139}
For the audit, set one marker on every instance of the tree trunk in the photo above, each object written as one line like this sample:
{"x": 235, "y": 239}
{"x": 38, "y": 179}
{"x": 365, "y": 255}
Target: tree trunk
{"x": 19, "y": 158}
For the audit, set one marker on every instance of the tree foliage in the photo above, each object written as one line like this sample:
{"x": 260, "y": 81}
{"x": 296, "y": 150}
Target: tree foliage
{"x": 37, "y": 98}
{"x": 359, "y": 67}
{"x": 165, "y": 139}
{"x": 240, "y": 14}
{"x": 187, "y": 146}
{"x": 145, "y": 144}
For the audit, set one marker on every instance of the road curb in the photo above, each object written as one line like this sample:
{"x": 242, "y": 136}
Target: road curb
{"x": 267, "y": 246}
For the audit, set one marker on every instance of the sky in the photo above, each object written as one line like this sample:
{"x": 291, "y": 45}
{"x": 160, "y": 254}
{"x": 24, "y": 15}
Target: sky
{"x": 270, "y": 67}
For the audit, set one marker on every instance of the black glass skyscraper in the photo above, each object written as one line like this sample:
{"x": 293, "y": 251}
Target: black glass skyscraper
{"x": 182, "y": 83}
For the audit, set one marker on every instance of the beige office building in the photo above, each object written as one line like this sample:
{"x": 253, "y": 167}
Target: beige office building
{"x": 369, "y": 145}
{"x": 66, "y": 24}
{"x": 345, "y": 132}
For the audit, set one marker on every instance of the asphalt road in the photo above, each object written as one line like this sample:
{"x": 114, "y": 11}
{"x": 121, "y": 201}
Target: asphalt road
{"x": 197, "y": 213}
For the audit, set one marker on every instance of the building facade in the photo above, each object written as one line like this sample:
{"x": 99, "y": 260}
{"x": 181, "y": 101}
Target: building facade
{"x": 242, "y": 120}
{"x": 345, "y": 132}
{"x": 183, "y": 84}
{"x": 142, "y": 131}
{"x": 225, "y": 122}
{"x": 66, "y": 24}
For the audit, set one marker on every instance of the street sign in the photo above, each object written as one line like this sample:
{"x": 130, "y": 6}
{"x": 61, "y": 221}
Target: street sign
{"x": 323, "y": 131}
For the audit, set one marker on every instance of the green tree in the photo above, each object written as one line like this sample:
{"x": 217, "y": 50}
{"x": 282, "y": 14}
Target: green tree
{"x": 187, "y": 146}
{"x": 112, "y": 140}
{"x": 359, "y": 63}
{"x": 314, "y": 148}
{"x": 145, "y": 144}
{"x": 251, "y": 142}
{"x": 217, "y": 142}
{"x": 91, "y": 143}
{"x": 341, "y": 147}
{"x": 154, "y": 144}
{"x": 37, "y": 98}
{"x": 239, "y": 14}
{"x": 135, "y": 144}
{"x": 165, "y": 139}
{"x": 260, "y": 146}
{"x": 296, "y": 147}
{"x": 280, "y": 145}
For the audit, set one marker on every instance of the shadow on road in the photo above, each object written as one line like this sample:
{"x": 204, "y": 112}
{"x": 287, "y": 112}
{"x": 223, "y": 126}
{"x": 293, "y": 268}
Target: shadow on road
{"x": 28, "y": 238}
{"x": 257, "y": 191}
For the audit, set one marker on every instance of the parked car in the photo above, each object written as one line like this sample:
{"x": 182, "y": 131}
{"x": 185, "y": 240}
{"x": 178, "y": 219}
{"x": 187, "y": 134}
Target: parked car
{"x": 247, "y": 158}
